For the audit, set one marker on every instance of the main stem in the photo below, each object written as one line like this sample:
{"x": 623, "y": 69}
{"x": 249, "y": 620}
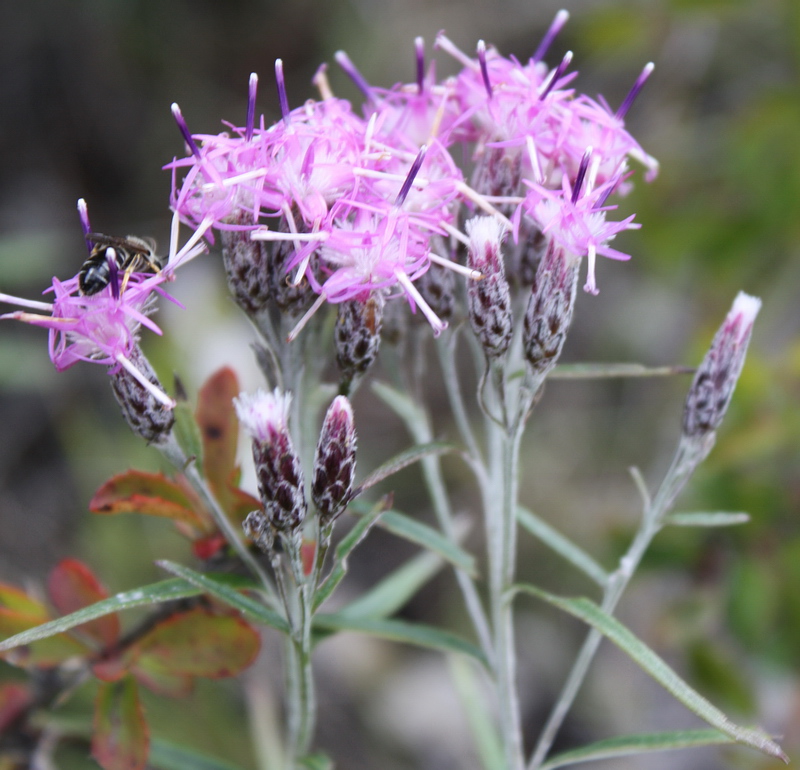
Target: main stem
{"x": 501, "y": 537}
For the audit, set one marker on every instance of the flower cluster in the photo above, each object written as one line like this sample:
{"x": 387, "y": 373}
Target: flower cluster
{"x": 358, "y": 205}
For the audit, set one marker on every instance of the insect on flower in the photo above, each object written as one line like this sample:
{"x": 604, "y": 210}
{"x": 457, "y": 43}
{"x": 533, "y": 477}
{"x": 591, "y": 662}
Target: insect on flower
{"x": 111, "y": 255}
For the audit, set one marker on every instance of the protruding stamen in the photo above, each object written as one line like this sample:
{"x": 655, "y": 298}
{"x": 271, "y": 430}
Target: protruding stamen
{"x": 318, "y": 303}
{"x": 557, "y": 74}
{"x": 484, "y": 69}
{"x": 533, "y": 156}
{"x": 347, "y": 65}
{"x": 468, "y": 272}
{"x": 558, "y": 24}
{"x": 154, "y": 391}
{"x": 184, "y": 129}
{"x": 419, "y": 46}
{"x": 33, "y": 304}
{"x": 320, "y": 80}
{"x": 282, "y": 89}
{"x": 413, "y": 171}
{"x": 83, "y": 213}
{"x": 251, "y": 106}
{"x": 576, "y": 187}
{"x": 634, "y": 92}
{"x": 444, "y": 42}
{"x": 436, "y": 323}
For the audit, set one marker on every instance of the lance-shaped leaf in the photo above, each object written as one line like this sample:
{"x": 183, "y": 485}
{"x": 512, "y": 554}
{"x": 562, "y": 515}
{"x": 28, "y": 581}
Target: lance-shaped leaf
{"x": 605, "y": 371}
{"x": 645, "y": 743}
{"x": 343, "y": 550}
{"x": 657, "y": 668}
{"x": 399, "y": 631}
{"x": 150, "y": 493}
{"x": 400, "y": 461}
{"x": 198, "y": 643}
{"x": 72, "y": 586}
{"x": 222, "y": 589}
{"x": 165, "y": 591}
{"x": 422, "y": 535}
{"x": 219, "y": 428}
{"x": 120, "y": 739}
{"x": 704, "y": 519}
{"x": 165, "y": 755}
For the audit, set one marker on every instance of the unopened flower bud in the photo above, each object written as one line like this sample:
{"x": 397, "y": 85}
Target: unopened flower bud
{"x": 335, "y": 461}
{"x": 265, "y": 416}
{"x": 357, "y": 336}
{"x": 292, "y": 298}
{"x": 247, "y": 269}
{"x": 257, "y": 528}
{"x": 716, "y": 378}
{"x": 147, "y": 416}
{"x": 489, "y": 299}
{"x": 549, "y": 312}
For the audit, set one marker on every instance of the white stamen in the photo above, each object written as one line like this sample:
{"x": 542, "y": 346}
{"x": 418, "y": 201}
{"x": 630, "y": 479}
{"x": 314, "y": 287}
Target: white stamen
{"x": 533, "y": 156}
{"x": 436, "y": 323}
{"x": 155, "y": 392}
{"x": 273, "y": 235}
{"x": 473, "y": 275}
{"x": 233, "y": 180}
{"x": 318, "y": 303}
{"x": 475, "y": 196}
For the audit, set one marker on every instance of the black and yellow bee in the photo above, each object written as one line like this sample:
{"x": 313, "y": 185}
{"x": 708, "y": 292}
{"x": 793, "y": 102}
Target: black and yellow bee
{"x": 112, "y": 255}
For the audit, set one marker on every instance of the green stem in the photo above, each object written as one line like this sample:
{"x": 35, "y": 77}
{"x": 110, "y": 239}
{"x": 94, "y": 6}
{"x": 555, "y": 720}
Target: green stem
{"x": 687, "y": 457}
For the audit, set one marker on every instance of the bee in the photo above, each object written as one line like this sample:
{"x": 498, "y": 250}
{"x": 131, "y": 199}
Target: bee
{"x": 111, "y": 255}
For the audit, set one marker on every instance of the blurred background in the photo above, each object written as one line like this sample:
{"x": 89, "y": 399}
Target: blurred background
{"x": 86, "y": 93}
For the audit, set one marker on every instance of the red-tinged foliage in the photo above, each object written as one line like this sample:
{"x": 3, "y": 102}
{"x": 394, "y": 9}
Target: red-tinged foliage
{"x": 308, "y": 550}
{"x": 219, "y": 428}
{"x": 44, "y": 653}
{"x": 208, "y": 547}
{"x": 72, "y": 586}
{"x": 197, "y": 643}
{"x": 14, "y": 699}
{"x": 163, "y": 683}
{"x": 16, "y": 600}
{"x": 121, "y": 738}
{"x": 150, "y": 493}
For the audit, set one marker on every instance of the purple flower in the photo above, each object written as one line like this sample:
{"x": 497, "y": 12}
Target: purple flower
{"x": 103, "y": 328}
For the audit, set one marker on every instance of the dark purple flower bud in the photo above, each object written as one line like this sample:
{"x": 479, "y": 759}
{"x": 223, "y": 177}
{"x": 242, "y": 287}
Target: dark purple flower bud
{"x": 265, "y": 416}
{"x": 357, "y": 336}
{"x": 147, "y": 415}
{"x": 549, "y": 312}
{"x": 247, "y": 269}
{"x": 335, "y": 461}
{"x": 292, "y": 298}
{"x": 715, "y": 379}
{"x": 488, "y": 299}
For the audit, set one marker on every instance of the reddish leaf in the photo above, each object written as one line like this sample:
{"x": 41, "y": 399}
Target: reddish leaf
{"x": 207, "y": 547}
{"x": 17, "y": 600}
{"x": 121, "y": 738}
{"x": 241, "y": 503}
{"x": 198, "y": 643}
{"x": 44, "y": 653}
{"x": 172, "y": 685}
{"x": 111, "y": 669}
{"x": 14, "y": 699}
{"x": 150, "y": 493}
{"x": 72, "y": 586}
{"x": 308, "y": 551}
{"x": 219, "y": 428}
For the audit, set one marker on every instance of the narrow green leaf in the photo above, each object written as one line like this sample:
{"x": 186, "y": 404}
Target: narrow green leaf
{"x": 164, "y": 591}
{"x": 422, "y": 535}
{"x": 187, "y": 432}
{"x": 395, "y": 590}
{"x": 403, "y": 406}
{"x": 251, "y": 608}
{"x": 481, "y": 724}
{"x": 400, "y": 631}
{"x": 562, "y": 545}
{"x": 315, "y": 762}
{"x": 703, "y": 519}
{"x": 343, "y": 550}
{"x": 603, "y": 371}
{"x": 165, "y": 755}
{"x": 638, "y": 744}
{"x": 657, "y": 668}
{"x": 400, "y": 461}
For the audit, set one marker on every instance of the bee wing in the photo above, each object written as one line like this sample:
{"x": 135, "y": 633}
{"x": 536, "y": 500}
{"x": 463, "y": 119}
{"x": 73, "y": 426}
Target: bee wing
{"x": 129, "y": 243}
